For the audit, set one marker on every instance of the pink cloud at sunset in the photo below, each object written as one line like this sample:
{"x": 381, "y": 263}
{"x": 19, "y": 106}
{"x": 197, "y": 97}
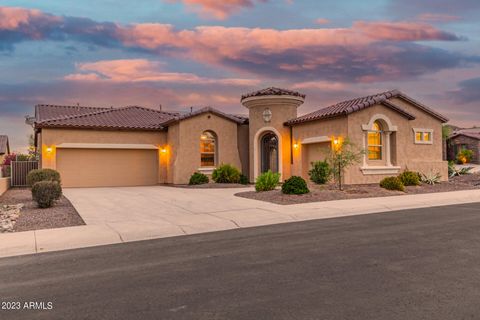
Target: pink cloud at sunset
{"x": 437, "y": 17}
{"x": 142, "y": 70}
{"x": 219, "y": 9}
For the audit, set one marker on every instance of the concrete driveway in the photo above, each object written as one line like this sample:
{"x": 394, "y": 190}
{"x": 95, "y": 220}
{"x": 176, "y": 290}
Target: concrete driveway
{"x": 137, "y": 213}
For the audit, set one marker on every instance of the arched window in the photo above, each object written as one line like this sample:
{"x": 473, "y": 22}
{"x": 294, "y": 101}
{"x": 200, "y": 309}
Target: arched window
{"x": 375, "y": 142}
{"x": 208, "y": 149}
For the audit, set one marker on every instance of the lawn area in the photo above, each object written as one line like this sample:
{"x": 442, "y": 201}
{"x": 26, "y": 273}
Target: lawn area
{"x": 330, "y": 192}
{"x": 62, "y": 214}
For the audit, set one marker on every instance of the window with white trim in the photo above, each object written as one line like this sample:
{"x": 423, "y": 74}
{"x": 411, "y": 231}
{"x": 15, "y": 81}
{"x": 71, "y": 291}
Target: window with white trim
{"x": 375, "y": 143}
{"x": 423, "y": 136}
{"x": 208, "y": 147}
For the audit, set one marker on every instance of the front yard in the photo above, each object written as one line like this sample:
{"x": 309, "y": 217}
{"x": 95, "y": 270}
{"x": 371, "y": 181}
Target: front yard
{"x": 30, "y": 217}
{"x": 330, "y": 192}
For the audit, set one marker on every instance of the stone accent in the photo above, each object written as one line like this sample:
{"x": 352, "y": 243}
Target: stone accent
{"x": 8, "y": 217}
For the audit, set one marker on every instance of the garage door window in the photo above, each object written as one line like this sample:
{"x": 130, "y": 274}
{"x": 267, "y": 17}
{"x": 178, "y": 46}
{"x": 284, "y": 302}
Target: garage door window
{"x": 208, "y": 148}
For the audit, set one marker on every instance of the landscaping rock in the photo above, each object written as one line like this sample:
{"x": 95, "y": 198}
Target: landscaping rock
{"x": 8, "y": 216}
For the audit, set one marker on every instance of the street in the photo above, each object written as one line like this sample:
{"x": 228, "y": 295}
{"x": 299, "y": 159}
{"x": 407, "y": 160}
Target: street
{"x": 409, "y": 264}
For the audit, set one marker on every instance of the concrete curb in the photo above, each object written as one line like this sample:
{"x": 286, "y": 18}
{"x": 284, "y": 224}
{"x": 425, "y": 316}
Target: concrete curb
{"x": 256, "y": 214}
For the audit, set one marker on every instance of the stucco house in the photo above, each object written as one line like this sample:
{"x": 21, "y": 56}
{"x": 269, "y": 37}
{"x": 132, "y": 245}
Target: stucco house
{"x": 141, "y": 146}
{"x": 467, "y": 138}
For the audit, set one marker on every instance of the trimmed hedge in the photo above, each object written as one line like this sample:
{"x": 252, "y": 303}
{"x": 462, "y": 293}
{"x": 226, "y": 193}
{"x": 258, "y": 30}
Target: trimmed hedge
{"x": 409, "y": 178}
{"x": 244, "y": 179}
{"x": 198, "y": 178}
{"x": 226, "y": 173}
{"x": 267, "y": 181}
{"x": 46, "y": 193}
{"x": 392, "y": 183}
{"x": 295, "y": 185}
{"x": 38, "y": 175}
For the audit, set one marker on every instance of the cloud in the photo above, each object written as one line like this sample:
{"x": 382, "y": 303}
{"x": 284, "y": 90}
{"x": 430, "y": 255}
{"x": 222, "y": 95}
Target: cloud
{"x": 437, "y": 17}
{"x": 467, "y": 92}
{"x": 143, "y": 70}
{"x": 366, "y": 51}
{"x": 322, "y": 21}
{"x": 218, "y": 9}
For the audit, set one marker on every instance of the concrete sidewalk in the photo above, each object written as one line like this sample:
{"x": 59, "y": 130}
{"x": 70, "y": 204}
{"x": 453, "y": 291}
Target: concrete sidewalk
{"x": 115, "y": 215}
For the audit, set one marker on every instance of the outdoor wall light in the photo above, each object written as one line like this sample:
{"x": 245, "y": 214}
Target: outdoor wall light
{"x": 49, "y": 149}
{"x": 163, "y": 150}
{"x": 295, "y": 145}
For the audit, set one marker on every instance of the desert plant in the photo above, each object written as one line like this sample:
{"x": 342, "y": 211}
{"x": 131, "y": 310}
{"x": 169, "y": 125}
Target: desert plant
{"x": 267, "y": 181}
{"x": 464, "y": 156}
{"x": 392, "y": 183}
{"x": 431, "y": 178}
{"x": 45, "y": 193}
{"x": 226, "y": 173}
{"x": 38, "y": 175}
{"x": 409, "y": 178}
{"x": 295, "y": 185}
{"x": 343, "y": 155}
{"x": 453, "y": 171}
{"x": 320, "y": 172}
{"x": 198, "y": 178}
{"x": 243, "y": 179}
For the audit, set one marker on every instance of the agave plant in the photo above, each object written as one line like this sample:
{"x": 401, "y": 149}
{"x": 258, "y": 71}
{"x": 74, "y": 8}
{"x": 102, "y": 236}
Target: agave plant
{"x": 431, "y": 178}
{"x": 453, "y": 171}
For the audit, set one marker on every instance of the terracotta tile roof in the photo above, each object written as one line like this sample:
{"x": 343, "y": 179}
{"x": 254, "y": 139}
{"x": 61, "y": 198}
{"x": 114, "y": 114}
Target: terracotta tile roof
{"x": 468, "y": 132}
{"x": 234, "y": 118}
{"x": 349, "y": 106}
{"x": 272, "y": 91}
{"x": 126, "y": 118}
{"x": 4, "y": 144}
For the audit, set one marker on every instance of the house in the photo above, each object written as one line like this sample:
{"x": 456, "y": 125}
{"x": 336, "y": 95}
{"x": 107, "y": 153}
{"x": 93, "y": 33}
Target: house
{"x": 4, "y": 147}
{"x": 141, "y": 146}
{"x": 461, "y": 139}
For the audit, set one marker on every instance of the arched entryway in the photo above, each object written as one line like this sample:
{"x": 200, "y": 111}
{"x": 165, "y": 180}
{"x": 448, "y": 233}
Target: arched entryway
{"x": 269, "y": 152}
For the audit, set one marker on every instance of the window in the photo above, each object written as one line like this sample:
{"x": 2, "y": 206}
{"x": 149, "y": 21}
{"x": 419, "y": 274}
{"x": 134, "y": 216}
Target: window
{"x": 208, "y": 143}
{"x": 423, "y": 136}
{"x": 375, "y": 142}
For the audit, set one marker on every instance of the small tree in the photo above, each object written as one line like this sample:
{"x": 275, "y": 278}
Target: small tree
{"x": 343, "y": 155}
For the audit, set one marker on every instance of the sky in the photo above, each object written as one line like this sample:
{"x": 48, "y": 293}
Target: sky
{"x": 194, "y": 53}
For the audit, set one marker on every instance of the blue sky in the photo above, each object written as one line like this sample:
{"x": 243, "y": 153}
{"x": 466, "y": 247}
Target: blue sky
{"x": 182, "y": 53}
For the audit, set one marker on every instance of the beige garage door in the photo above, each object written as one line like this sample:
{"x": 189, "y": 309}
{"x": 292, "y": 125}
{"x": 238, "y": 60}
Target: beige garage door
{"x": 107, "y": 167}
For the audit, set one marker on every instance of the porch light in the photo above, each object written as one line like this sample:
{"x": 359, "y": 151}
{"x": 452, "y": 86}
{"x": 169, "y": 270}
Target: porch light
{"x": 295, "y": 146}
{"x": 49, "y": 149}
{"x": 335, "y": 142}
{"x": 163, "y": 150}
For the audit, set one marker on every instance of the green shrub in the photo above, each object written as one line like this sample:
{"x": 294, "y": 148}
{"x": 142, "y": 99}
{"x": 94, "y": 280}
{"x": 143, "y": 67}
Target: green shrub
{"x": 38, "y": 175}
{"x": 453, "y": 171}
{"x": 226, "y": 173}
{"x": 198, "y": 178}
{"x": 244, "y": 179}
{"x": 45, "y": 193}
{"x": 295, "y": 185}
{"x": 392, "y": 183}
{"x": 464, "y": 156}
{"x": 320, "y": 172}
{"x": 409, "y": 178}
{"x": 431, "y": 178}
{"x": 267, "y": 181}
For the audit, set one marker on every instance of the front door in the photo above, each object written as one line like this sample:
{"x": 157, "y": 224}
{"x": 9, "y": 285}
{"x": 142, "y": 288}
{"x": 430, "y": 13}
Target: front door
{"x": 269, "y": 152}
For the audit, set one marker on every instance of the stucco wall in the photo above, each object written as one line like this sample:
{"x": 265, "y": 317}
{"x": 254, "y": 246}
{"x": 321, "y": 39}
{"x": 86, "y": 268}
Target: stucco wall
{"x": 243, "y": 148}
{"x": 303, "y": 155}
{"x": 50, "y": 138}
{"x": 283, "y": 109}
{"x": 185, "y": 144}
{"x": 4, "y": 185}
{"x": 405, "y": 153}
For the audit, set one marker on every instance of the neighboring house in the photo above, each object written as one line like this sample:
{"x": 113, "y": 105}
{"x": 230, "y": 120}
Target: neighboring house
{"x": 141, "y": 146}
{"x": 464, "y": 139}
{"x": 4, "y": 147}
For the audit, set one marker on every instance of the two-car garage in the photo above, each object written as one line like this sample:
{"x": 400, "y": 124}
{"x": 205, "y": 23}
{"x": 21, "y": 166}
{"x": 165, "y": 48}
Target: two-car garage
{"x": 107, "y": 166}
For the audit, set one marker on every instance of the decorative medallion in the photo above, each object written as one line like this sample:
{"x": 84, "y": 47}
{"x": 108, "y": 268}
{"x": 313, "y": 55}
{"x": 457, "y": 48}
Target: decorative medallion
{"x": 267, "y": 115}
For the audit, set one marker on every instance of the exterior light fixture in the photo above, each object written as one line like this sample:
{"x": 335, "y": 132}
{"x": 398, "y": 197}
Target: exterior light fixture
{"x": 335, "y": 142}
{"x": 49, "y": 149}
{"x": 295, "y": 145}
{"x": 163, "y": 150}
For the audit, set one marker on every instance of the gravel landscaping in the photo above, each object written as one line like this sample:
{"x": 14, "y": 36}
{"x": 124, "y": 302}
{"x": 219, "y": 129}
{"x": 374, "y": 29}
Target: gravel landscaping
{"x": 30, "y": 217}
{"x": 330, "y": 192}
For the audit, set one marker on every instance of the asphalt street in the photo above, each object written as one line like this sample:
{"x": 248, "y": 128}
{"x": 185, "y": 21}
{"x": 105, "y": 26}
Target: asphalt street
{"x": 409, "y": 264}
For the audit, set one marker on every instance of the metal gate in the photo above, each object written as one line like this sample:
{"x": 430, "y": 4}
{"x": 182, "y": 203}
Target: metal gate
{"x": 20, "y": 169}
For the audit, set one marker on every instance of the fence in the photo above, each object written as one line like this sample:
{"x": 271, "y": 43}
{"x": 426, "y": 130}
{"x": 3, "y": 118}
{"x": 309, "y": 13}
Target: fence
{"x": 20, "y": 169}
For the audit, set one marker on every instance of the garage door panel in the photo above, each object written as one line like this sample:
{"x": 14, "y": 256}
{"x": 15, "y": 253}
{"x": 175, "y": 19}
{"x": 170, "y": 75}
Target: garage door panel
{"x": 107, "y": 167}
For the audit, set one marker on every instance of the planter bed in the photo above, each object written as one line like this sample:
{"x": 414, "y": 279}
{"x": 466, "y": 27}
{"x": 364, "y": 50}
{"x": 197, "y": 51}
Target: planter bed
{"x": 62, "y": 214}
{"x": 330, "y": 192}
